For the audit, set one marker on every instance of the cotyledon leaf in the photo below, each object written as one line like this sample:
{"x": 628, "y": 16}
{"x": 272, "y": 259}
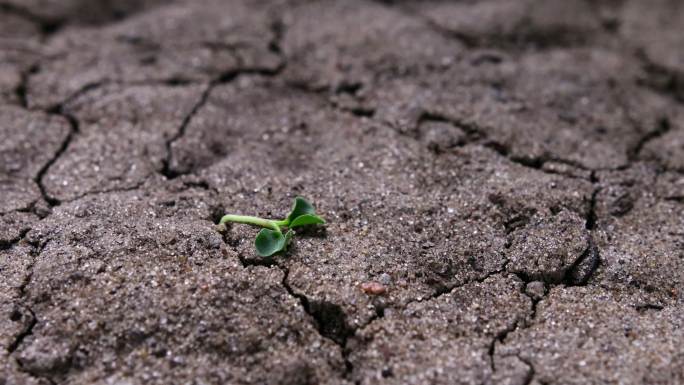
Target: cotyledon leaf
{"x": 301, "y": 207}
{"x": 307, "y": 219}
{"x": 269, "y": 242}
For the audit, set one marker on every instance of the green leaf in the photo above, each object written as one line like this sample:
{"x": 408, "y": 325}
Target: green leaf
{"x": 301, "y": 207}
{"x": 269, "y": 242}
{"x": 307, "y": 219}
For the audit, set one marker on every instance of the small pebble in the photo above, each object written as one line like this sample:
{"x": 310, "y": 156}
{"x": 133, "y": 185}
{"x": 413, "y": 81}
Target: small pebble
{"x": 535, "y": 290}
{"x": 385, "y": 279}
{"x": 373, "y": 288}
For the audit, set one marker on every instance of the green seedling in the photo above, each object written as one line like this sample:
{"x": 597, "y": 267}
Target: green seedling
{"x": 271, "y": 239}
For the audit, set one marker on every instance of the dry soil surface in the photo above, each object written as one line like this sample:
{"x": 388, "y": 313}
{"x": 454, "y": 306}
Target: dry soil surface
{"x": 507, "y": 175}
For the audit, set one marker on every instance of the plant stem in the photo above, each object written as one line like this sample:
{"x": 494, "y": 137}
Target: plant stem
{"x": 249, "y": 220}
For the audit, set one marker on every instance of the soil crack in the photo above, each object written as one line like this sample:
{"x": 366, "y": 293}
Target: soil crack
{"x": 107, "y": 191}
{"x": 662, "y": 128}
{"x": 518, "y": 325}
{"x": 500, "y": 337}
{"x": 8, "y": 244}
{"x": 32, "y": 319}
{"x": 47, "y": 27}
{"x": 329, "y": 319}
{"x": 662, "y": 79}
{"x": 27, "y": 330}
{"x": 73, "y": 131}
{"x": 531, "y": 373}
{"x": 166, "y": 168}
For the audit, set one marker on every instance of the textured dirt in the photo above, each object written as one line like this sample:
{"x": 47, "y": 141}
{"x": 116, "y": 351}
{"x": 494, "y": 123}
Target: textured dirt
{"x": 503, "y": 183}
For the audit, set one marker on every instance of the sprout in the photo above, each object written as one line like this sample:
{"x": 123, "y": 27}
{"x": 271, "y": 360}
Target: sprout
{"x": 271, "y": 239}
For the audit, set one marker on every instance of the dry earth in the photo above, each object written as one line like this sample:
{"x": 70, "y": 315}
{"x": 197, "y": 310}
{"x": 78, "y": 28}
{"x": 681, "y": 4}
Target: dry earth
{"x": 512, "y": 172}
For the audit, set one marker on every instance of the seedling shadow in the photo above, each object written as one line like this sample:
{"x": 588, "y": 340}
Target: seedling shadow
{"x": 312, "y": 231}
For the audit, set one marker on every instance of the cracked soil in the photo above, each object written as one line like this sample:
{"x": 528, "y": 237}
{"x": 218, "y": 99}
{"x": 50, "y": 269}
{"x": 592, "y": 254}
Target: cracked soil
{"x": 503, "y": 183}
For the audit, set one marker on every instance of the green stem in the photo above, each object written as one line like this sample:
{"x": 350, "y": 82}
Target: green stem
{"x": 249, "y": 220}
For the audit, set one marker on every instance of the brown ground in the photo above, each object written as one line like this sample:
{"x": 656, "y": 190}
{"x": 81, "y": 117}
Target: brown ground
{"x": 511, "y": 171}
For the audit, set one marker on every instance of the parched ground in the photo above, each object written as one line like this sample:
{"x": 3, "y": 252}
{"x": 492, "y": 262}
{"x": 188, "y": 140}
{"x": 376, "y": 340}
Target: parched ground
{"x": 510, "y": 173}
